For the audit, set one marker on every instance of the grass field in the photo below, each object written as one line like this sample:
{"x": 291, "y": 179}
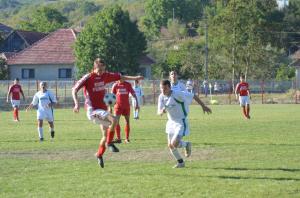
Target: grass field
{"x": 231, "y": 156}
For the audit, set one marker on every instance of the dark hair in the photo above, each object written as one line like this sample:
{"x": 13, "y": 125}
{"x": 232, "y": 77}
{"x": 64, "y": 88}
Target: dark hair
{"x": 17, "y": 79}
{"x": 243, "y": 76}
{"x": 99, "y": 60}
{"x": 165, "y": 82}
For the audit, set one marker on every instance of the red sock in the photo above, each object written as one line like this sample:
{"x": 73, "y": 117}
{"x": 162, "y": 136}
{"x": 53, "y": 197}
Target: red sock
{"x": 248, "y": 110}
{"x": 14, "y": 114}
{"x": 110, "y": 136}
{"x": 17, "y": 114}
{"x": 244, "y": 111}
{"x": 118, "y": 131}
{"x": 127, "y": 130}
{"x": 101, "y": 150}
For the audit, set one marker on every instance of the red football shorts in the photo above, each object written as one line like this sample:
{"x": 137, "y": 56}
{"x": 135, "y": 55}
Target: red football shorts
{"x": 122, "y": 111}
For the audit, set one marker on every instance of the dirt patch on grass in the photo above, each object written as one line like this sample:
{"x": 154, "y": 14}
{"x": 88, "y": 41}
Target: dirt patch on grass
{"x": 142, "y": 155}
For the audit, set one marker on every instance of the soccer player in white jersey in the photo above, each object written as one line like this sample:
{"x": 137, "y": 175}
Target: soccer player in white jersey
{"x": 140, "y": 95}
{"x": 178, "y": 86}
{"x": 44, "y": 100}
{"x": 174, "y": 104}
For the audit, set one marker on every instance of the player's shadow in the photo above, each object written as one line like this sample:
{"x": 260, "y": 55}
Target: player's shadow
{"x": 242, "y": 144}
{"x": 260, "y": 169}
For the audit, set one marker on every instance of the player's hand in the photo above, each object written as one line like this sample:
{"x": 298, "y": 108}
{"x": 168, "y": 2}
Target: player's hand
{"x": 206, "y": 109}
{"x": 76, "y": 108}
{"x": 28, "y": 108}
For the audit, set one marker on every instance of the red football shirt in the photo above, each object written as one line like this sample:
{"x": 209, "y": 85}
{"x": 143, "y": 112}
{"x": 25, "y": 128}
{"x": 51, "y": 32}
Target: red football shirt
{"x": 122, "y": 90}
{"x": 94, "y": 88}
{"x": 15, "y": 91}
{"x": 242, "y": 88}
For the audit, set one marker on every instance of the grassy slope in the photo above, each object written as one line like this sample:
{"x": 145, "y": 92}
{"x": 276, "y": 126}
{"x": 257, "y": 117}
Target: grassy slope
{"x": 232, "y": 157}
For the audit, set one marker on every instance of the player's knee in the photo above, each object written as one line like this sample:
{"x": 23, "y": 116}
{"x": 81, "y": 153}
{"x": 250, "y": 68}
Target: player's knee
{"x": 170, "y": 145}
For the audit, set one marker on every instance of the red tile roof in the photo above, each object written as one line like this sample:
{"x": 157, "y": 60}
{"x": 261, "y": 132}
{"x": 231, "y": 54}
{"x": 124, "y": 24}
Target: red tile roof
{"x": 7, "y": 55}
{"x": 56, "y": 48}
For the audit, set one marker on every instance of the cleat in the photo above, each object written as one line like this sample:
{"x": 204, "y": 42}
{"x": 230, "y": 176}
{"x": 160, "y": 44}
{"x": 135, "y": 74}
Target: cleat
{"x": 188, "y": 149}
{"x": 100, "y": 161}
{"x": 113, "y": 148}
{"x": 52, "y": 134}
{"x": 41, "y": 139}
{"x": 127, "y": 141}
{"x": 117, "y": 141}
{"x": 179, "y": 165}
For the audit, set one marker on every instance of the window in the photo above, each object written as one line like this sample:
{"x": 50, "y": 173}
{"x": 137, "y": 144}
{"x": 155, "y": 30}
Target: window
{"x": 64, "y": 73}
{"x": 28, "y": 73}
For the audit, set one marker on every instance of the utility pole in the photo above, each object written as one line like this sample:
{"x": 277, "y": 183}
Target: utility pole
{"x": 206, "y": 51}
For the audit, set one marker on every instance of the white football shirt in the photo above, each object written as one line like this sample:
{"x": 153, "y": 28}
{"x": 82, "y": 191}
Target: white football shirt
{"x": 43, "y": 100}
{"x": 175, "y": 104}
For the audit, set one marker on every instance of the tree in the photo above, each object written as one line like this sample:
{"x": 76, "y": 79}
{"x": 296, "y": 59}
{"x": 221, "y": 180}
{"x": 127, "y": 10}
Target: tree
{"x": 158, "y": 12}
{"x": 3, "y": 69}
{"x": 44, "y": 19}
{"x": 111, "y": 36}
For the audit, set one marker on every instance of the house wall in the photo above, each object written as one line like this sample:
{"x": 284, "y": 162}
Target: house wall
{"x": 146, "y": 71}
{"x": 42, "y": 72}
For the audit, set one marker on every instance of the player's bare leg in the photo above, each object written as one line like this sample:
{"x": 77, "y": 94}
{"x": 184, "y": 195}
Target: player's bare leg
{"x": 248, "y": 111}
{"x": 102, "y": 146}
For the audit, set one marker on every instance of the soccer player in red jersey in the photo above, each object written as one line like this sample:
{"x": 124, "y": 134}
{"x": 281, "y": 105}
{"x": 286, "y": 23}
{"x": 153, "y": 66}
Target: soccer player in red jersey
{"x": 122, "y": 89}
{"x": 242, "y": 90}
{"x": 94, "y": 86}
{"x": 14, "y": 94}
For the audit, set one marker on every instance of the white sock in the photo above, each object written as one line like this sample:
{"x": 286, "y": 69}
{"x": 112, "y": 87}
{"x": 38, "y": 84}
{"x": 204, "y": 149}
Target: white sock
{"x": 51, "y": 129}
{"x": 40, "y": 130}
{"x": 176, "y": 154}
{"x": 137, "y": 114}
{"x": 182, "y": 144}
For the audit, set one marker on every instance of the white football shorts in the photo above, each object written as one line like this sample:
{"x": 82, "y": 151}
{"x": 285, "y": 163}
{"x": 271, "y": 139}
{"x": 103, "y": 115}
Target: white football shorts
{"x": 98, "y": 116}
{"x": 244, "y": 100}
{"x": 15, "y": 103}
{"x": 45, "y": 115}
{"x": 178, "y": 128}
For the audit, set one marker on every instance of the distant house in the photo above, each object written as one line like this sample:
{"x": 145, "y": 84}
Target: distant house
{"x": 18, "y": 40}
{"x": 5, "y": 30}
{"x": 50, "y": 58}
{"x": 145, "y": 66}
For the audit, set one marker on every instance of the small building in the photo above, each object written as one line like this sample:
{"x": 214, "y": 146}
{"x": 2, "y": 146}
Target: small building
{"x": 146, "y": 63}
{"x": 50, "y": 58}
{"x": 19, "y": 39}
{"x": 5, "y": 30}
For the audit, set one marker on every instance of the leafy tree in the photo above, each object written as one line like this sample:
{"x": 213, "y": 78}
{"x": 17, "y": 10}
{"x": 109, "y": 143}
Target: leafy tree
{"x": 158, "y": 12}
{"x": 285, "y": 72}
{"x": 4, "y": 4}
{"x": 3, "y": 70}
{"x": 111, "y": 36}
{"x": 44, "y": 19}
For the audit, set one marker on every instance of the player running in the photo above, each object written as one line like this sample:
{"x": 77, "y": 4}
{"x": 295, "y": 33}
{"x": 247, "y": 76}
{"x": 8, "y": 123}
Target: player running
{"x": 243, "y": 92}
{"x": 14, "y": 95}
{"x": 94, "y": 85}
{"x": 122, "y": 89}
{"x": 44, "y": 100}
{"x": 139, "y": 95}
{"x": 174, "y": 104}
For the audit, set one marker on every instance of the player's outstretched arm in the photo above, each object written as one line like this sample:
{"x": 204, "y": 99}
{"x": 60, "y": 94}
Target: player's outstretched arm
{"x": 75, "y": 99}
{"x": 132, "y": 77}
{"x": 204, "y": 107}
{"x": 137, "y": 106}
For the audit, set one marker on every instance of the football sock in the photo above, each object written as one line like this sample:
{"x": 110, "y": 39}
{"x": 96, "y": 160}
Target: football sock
{"x": 14, "y": 114}
{"x": 110, "y": 136}
{"x": 244, "y": 111}
{"x": 101, "y": 150}
{"x": 40, "y": 130}
{"x": 17, "y": 114}
{"x": 137, "y": 114}
{"x": 127, "y": 131}
{"x": 248, "y": 110}
{"x": 118, "y": 132}
{"x": 176, "y": 154}
{"x": 182, "y": 144}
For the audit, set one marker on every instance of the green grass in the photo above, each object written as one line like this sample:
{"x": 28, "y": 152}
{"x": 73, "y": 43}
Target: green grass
{"x": 232, "y": 157}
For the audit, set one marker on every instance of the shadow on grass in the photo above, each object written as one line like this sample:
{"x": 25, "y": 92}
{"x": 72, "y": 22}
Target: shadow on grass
{"x": 260, "y": 169}
{"x": 243, "y": 144}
